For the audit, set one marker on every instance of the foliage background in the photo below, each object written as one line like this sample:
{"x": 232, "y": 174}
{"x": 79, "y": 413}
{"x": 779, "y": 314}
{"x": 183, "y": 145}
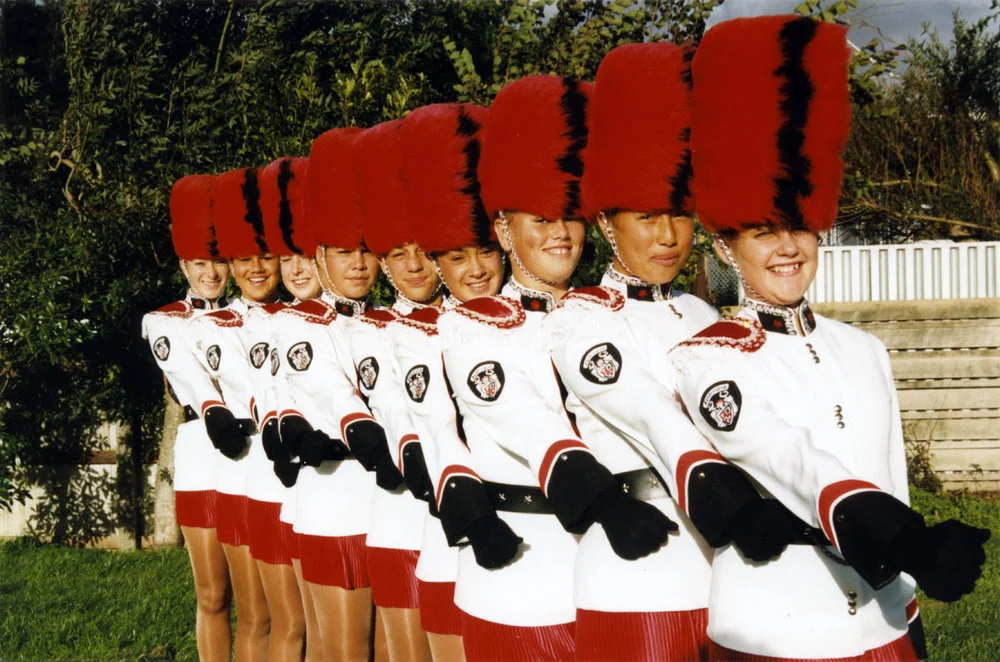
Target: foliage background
{"x": 106, "y": 103}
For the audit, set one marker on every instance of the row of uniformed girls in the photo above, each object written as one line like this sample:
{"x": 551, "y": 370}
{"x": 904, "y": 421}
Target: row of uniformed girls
{"x": 521, "y": 470}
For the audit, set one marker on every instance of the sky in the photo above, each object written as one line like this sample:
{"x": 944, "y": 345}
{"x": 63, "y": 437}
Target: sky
{"x": 896, "y": 19}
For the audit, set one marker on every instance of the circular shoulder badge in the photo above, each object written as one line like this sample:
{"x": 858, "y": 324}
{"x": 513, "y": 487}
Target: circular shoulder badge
{"x": 720, "y": 405}
{"x": 162, "y": 348}
{"x": 213, "y": 355}
{"x": 416, "y": 382}
{"x": 601, "y": 364}
{"x": 275, "y": 361}
{"x": 300, "y": 355}
{"x": 258, "y": 354}
{"x": 486, "y": 380}
{"x": 368, "y": 372}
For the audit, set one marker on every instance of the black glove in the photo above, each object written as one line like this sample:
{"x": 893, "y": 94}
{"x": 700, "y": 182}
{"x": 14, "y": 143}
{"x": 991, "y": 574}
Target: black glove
{"x": 634, "y": 528}
{"x": 293, "y": 428}
{"x": 418, "y": 480}
{"x": 945, "y": 559}
{"x": 493, "y": 542}
{"x": 763, "y": 528}
{"x": 286, "y": 471}
{"x": 271, "y": 440}
{"x": 316, "y": 446}
{"x": 225, "y": 430}
{"x": 367, "y": 442}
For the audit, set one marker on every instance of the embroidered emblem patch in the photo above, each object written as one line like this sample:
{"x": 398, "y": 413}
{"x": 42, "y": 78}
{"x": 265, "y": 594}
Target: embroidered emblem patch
{"x": 213, "y": 355}
{"x": 275, "y": 361}
{"x": 162, "y": 348}
{"x": 300, "y": 356}
{"x": 601, "y": 364}
{"x": 720, "y": 405}
{"x": 486, "y": 380}
{"x": 258, "y": 354}
{"x": 416, "y": 382}
{"x": 368, "y": 372}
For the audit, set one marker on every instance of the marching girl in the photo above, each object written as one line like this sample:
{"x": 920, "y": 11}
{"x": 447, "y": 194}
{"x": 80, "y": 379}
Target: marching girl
{"x": 319, "y": 409}
{"x": 272, "y": 544}
{"x": 529, "y": 464}
{"x": 804, "y": 404}
{"x": 230, "y": 418}
{"x": 397, "y": 526}
{"x": 441, "y": 146}
{"x": 195, "y": 460}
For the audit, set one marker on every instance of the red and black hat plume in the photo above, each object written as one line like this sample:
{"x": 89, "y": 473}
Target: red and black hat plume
{"x": 378, "y": 172}
{"x": 239, "y": 222}
{"x": 770, "y": 117}
{"x": 192, "y": 226}
{"x": 533, "y": 147}
{"x": 441, "y": 151}
{"x": 332, "y": 202}
{"x": 638, "y": 154}
{"x": 283, "y": 186}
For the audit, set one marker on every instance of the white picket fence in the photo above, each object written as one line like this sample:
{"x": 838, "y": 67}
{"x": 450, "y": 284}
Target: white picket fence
{"x": 901, "y": 272}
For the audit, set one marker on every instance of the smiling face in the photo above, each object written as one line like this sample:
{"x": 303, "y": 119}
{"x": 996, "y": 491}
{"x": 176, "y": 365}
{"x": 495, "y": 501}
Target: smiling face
{"x": 550, "y": 250}
{"x": 778, "y": 263}
{"x": 474, "y": 271}
{"x": 348, "y": 272}
{"x": 654, "y": 247}
{"x": 299, "y": 277}
{"x": 257, "y": 277}
{"x": 413, "y": 273}
{"x": 207, "y": 278}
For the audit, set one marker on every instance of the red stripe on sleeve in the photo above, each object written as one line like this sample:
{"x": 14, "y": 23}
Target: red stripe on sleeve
{"x": 403, "y": 443}
{"x": 554, "y": 451}
{"x": 685, "y": 464}
{"x": 290, "y": 412}
{"x": 454, "y": 470}
{"x": 912, "y": 609}
{"x": 211, "y": 403}
{"x": 832, "y": 495}
{"x": 352, "y": 418}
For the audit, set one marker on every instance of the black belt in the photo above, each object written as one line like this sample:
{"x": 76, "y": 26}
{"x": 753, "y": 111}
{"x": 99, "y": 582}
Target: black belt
{"x": 518, "y": 498}
{"x": 190, "y": 414}
{"x": 810, "y": 535}
{"x": 643, "y": 484}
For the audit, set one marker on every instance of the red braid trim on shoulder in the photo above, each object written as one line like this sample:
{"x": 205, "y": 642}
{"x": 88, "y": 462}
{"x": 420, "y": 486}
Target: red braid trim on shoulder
{"x": 499, "y": 311}
{"x": 275, "y": 307}
{"x": 225, "y": 318}
{"x": 176, "y": 309}
{"x": 604, "y": 296}
{"x": 379, "y": 318}
{"x": 422, "y": 319}
{"x": 314, "y": 311}
{"x": 734, "y": 332}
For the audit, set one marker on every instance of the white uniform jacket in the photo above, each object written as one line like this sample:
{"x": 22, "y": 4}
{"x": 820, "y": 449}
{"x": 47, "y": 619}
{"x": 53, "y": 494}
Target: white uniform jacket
{"x": 316, "y": 380}
{"x": 168, "y": 331}
{"x": 809, "y": 410}
{"x": 516, "y": 428}
{"x": 397, "y": 516}
{"x": 609, "y": 346}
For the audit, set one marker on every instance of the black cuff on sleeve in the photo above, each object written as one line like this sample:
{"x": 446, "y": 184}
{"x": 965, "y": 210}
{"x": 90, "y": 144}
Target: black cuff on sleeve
{"x": 866, "y": 524}
{"x": 715, "y": 494}
{"x": 367, "y": 442}
{"x": 465, "y": 500}
{"x": 576, "y": 479}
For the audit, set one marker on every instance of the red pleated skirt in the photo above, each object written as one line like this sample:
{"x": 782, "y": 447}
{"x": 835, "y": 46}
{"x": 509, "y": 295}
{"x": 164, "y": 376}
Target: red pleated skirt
{"x": 232, "y": 519}
{"x": 393, "y": 576}
{"x": 641, "y": 636}
{"x": 438, "y": 613}
{"x": 900, "y": 650}
{"x": 291, "y": 540}
{"x": 196, "y": 508}
{"x": 485, "y": 641}
{"x": 335, "y": 561}
{"x": 267, "y": 536}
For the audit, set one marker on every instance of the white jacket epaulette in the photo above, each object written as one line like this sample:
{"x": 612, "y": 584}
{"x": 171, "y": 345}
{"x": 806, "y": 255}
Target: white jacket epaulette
{"x": 812, "y": 418}
{"x": 315, "y": 380}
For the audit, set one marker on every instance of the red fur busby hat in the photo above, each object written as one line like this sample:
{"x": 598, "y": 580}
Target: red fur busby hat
{"x": 239, "y": 224}
{"x": 770, "y": 116}
{"x": 332, "y": 202}
{"x": 441, "y": 149}
{"x": 378, "y": 172}
{"x": 638, "y": 153}
{"x": 283, "y": 204}
{"x": 192, "y": 227}
{"x": 533, "y": 147}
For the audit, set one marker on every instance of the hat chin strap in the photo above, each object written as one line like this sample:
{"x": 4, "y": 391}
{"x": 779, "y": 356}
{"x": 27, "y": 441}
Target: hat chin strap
{"x": 752, "y": 293}
{"x": 609, "y": 232}
{"x": 515, "y": 258}
{"x": 399, "y": 293}
{"x": 321, "y": 266}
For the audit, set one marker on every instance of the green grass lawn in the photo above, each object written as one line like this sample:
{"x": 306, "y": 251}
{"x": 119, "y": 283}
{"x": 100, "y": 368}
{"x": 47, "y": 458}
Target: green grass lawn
{"x": 59, "y": 603}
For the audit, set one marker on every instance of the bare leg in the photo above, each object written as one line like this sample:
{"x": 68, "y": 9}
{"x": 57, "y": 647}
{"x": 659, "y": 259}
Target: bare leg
{"x": 446, "y": 647}
{"x": 314, "y": 644}
{"x": 252, "y": 619}
{"x": 405, "y": 639}
{"x": 211, "y": 587}
{"x": 288, "y": 622}
{"x": 345, "y": 621}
